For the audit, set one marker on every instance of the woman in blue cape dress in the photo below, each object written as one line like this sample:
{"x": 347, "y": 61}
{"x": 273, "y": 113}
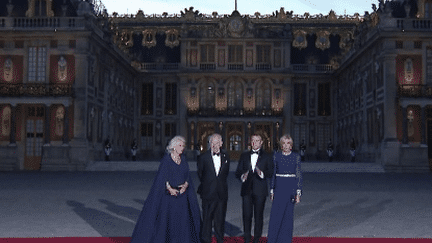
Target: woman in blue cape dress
{"x": 285, "y": 191}
{"x": 171, "y": 212}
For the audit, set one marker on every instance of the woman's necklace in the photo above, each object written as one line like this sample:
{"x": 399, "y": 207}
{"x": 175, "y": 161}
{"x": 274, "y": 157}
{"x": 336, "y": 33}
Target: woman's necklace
{"x": 176, "y": 159}
{"x": 286, "y": 153}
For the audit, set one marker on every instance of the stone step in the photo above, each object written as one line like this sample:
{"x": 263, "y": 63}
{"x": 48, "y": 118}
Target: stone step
{"x": 315, "y": 167}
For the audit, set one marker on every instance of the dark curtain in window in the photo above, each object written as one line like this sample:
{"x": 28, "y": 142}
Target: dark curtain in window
{"x": 324, "y": 99}
{"x": 299, "y": 99}
{"x": 170, "y": 98}
{"x": 147, "y": 99}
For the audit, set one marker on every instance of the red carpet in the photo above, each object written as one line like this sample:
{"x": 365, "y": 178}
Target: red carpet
{"x": 227, "y": 240}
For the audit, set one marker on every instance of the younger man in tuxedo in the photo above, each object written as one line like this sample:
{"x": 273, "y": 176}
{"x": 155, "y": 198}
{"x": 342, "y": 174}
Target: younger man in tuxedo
{"x": 213, "y": 169}
{"x": 254, "y": 167}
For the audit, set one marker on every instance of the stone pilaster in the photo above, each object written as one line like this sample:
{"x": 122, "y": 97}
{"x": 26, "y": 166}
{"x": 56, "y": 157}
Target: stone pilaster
{"x": 390, "y": 147}
{"x": 390, "y": 86}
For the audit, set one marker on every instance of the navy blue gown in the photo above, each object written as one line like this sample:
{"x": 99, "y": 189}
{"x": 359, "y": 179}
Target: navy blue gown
{"x": 165, "y": 218}
{"x": 285, "y": 189}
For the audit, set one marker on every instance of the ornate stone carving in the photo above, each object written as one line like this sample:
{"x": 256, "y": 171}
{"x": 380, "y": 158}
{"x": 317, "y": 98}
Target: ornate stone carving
{"x": 300, "y": 40}
{"x": 190, "y": 14}
{"x": 283, "y": 15}
{"x": 345, "y": 42}
{"x": 172, "y": 39}
{"x": 323, "y": 41}
{"x": 149, "y": 38}
{"x": 236, "y": 27}
{"x": 332, "y": 15}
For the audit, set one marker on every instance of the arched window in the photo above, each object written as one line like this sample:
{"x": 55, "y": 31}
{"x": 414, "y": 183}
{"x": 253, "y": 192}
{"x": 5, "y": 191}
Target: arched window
{"x": 235, "y": 143}
{"x": 235, "y": 95}
{"x": 207, "y": 95}
{"x": 263, "y": 96}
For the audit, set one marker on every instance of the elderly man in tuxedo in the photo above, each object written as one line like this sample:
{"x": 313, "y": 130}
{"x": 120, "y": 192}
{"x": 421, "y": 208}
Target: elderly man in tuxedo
{"x": 253, "y": 170}
{"x": 213, "y": 169}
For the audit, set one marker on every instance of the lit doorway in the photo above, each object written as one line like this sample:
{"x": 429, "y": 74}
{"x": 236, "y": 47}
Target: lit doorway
{"x": 34, "y": 137}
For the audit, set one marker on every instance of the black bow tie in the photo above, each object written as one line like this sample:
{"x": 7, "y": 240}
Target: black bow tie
{"x": 255, "y": 152}
{"x": 217, "y": 154}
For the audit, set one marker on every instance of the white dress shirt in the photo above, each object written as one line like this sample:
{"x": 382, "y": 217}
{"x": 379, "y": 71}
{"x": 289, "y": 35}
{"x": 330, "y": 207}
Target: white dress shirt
{"x": 216, "y": 163}
{"x": 254, "y": 159}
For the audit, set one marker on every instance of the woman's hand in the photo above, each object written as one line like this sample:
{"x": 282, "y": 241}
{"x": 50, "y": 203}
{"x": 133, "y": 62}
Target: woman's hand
{"x": 172, "y": 191}
{"x": 183, "y": 187}
{"x": 297, "y": 199}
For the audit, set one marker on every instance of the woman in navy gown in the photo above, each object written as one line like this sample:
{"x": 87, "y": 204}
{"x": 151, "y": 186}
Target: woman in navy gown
{"x": 285, "y": 191}
{"x": 171, "y": 212}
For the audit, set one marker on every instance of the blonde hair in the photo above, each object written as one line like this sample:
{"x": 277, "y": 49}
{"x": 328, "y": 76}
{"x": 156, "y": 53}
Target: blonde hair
{"x": 286, "y": 137}
{"x": 173, "y": 142}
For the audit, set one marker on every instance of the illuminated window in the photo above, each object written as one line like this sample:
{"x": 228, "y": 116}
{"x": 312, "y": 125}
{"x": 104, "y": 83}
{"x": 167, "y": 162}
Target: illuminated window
{"x": 263, "y": 96}
{"x": 235, "y": 95}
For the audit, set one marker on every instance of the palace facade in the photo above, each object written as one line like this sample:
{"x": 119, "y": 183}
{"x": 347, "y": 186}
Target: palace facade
{"x": 72, "y": 77}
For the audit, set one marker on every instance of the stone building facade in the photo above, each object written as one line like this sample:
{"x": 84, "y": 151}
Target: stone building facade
{"x": 73, "y": 77}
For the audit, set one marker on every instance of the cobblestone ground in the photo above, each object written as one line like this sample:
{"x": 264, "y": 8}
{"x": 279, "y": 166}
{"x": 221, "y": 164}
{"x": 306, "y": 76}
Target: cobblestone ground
{"x": 87, "y": 204}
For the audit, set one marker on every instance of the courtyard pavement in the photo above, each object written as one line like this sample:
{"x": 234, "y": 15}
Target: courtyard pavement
{"x": 337, "y": 202}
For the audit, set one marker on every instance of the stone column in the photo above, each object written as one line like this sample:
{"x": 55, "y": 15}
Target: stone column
{"x": 390, "y": 147}
{"x": 12, "y": 139}
{"x": 423, "y": 125}
{"x": 286, "y": 53}
{"x": 66, "y": 126}
{"x": 47, "y": 125}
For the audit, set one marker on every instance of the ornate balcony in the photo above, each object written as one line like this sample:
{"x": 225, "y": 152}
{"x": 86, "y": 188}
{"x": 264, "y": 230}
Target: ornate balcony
{"x": 157, "y": 67}
{"x": 410, "y": 24}
{"x": 42, "y": 22}
{"x": 414, "y": 90}
{"x": 36, "y": 90}
{"x": 305, "y": 68}
{"x": 235, "y": 113}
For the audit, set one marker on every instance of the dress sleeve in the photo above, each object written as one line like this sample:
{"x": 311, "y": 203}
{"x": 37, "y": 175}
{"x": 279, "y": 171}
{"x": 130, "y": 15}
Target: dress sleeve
{"x": 273, "y": 178}
{"x": 299, "y": 173}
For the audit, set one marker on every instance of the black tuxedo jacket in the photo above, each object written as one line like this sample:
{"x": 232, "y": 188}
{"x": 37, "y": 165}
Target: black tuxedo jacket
{"x": 254, "y": 184}
{"x": 213, "y": 187}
